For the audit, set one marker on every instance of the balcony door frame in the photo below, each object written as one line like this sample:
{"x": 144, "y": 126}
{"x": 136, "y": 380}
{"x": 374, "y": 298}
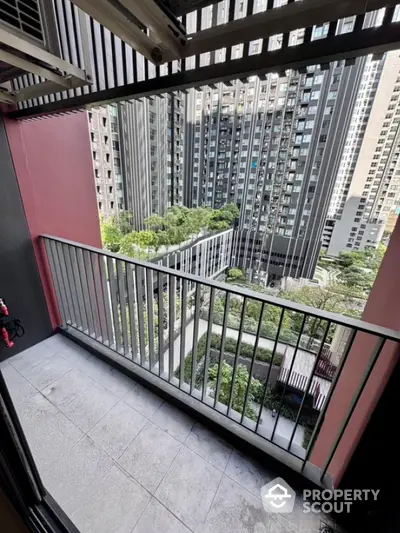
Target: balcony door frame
{"x": 19, "y": 476}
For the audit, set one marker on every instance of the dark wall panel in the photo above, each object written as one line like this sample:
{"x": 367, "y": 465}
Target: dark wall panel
{"x": 20, "y": 284}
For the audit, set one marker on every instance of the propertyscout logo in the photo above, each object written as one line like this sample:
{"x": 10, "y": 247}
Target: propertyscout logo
{"x": 278, "y": 497}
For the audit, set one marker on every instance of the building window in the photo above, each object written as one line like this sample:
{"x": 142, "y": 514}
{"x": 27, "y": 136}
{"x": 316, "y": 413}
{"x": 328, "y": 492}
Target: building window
{"x": 117, "y": 161}
{"x": 104, "y": 122}
{"x": 100, "y": 205}
{"x": 116, "y": 145}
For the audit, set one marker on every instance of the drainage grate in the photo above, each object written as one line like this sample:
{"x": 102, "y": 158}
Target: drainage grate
{"x": 23, "y": 15}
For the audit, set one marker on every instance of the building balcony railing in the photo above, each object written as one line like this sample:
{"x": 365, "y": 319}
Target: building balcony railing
{"x": 261, "y": 367}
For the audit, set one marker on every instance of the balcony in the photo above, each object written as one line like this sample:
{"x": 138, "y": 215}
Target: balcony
{"x": 163, "y": 425}
{"x": 117, "y": 457}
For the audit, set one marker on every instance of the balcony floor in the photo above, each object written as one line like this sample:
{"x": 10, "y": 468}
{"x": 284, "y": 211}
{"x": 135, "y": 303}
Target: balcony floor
{"x": 116, "y": 457}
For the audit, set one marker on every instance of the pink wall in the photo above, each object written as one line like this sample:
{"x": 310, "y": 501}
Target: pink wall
{"x": 382, "y": 309}
{"x": 53, "y": 163}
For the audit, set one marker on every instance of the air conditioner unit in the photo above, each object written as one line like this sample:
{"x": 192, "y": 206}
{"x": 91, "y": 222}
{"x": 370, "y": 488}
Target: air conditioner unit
{"x": 29, "y": 46}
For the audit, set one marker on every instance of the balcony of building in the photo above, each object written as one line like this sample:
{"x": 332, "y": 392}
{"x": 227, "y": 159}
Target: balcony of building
{"x": 152, "y": 409}
{"x": 117, "y": 456}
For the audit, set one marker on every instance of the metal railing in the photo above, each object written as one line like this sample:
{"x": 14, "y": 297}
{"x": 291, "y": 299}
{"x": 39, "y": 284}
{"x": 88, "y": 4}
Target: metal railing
{"x": 195, "y": 333}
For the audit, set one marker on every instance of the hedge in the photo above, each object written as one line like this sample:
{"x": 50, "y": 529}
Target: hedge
{"x": 246, "y": 350}
{"x": 268, "y": 329}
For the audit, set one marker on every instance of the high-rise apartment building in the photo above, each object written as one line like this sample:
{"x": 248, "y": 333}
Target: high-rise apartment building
{"x": 105, "y": 143}
{"x": 137, "y": 149}
{"x": 272, "y": 146}
{"x": 368, "y": 184}
{"x": 151, "y": 134}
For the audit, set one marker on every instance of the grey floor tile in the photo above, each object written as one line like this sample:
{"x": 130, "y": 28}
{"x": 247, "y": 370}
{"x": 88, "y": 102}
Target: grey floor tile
{"x": 115, "y": 506}
{"x": 189, "y": 487}
{"x": 20, "y": 389}
{"x": 115, "y": 431}
{"x": 248, "y": 473}
{"x": 157, "y": 519}
{"x": 143, "y": 400}
{"x": 149, "y": 456}
{"x": 41, "y": 375}
{"x": 36, "y": 409}
{"x": 173, "y": 421}
{"x": 78, "y": 358}
{"x": 68, "y": 387}
{"x": 88, "y": 408}
{"x": 59, "y": 342}
{"x": 50, "y": 434}
{"x": 77, "y": 474}
{"x": 234, "y": 509}
{"x": 116, "y": 382}
{"x": 209, "y": 446}
{"x": 28, "y": 359}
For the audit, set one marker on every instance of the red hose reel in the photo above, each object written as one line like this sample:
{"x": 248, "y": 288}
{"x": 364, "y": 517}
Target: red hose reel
{"x": 10, "y": 327}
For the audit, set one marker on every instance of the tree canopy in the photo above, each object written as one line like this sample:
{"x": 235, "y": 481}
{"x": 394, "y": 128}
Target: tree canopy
{"x": 177, "y": 226}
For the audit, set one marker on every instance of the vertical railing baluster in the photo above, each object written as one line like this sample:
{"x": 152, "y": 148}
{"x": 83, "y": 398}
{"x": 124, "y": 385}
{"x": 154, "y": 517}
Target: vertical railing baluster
{"x": 257, "y": 339}
{"x": 195, "y": 336}
{"x": 222, "y": 348}
{"x": 270, "y": 368}
{"x": 114, "y": 308}
{"x": 122, "y": 304}
{"x": 183, "y": 331}
{"x": 131, "y": 304}
{"x": 208, "y": 343}
{"x": 87, "y": 257}
{"x": 140, "y": 312}
{"x": 61, "y": 261}
{"x": 237, "y": 355}
{"x": 80, "y": 285}
{"x": 100, "y": 297}
{"x": 106, "y": 299}
{"x": 160, "y": 294}
{"x": 171, "y": 323}
{"x": 71, "y": 284}
{"x": 56, "y": 280}
{"x": 289, "y": 374}
{"x": 78, "y": 288}
{"x": 150, "y": 315}
{"x": 85, "y": 290}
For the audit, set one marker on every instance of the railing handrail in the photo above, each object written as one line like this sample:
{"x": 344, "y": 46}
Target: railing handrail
{"x": 360, "y": 325}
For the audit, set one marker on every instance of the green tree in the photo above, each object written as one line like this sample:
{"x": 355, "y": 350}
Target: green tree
{"x": 111, "y": 236}
{"x": 335, "y": 299}
{"x": 155, "y": 223}
{"x": 129, "y": 244}
{"x": 235, "y": 274}
{"x": 239, "y": 389}
{"x": 123, "y": 221}
{"x": 146, "y": 239}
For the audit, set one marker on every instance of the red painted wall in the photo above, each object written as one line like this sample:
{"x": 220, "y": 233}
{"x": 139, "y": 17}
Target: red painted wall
{"x": 53, "y": 163}
{"x": 382, "y": 309}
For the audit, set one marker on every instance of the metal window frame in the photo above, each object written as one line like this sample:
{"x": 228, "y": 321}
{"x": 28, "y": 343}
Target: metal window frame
{"x": 20, "y": 478}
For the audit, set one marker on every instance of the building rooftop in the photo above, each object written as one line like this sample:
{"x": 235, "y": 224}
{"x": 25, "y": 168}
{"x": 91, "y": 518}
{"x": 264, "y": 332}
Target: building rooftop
{"x": 116, "y": 457}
